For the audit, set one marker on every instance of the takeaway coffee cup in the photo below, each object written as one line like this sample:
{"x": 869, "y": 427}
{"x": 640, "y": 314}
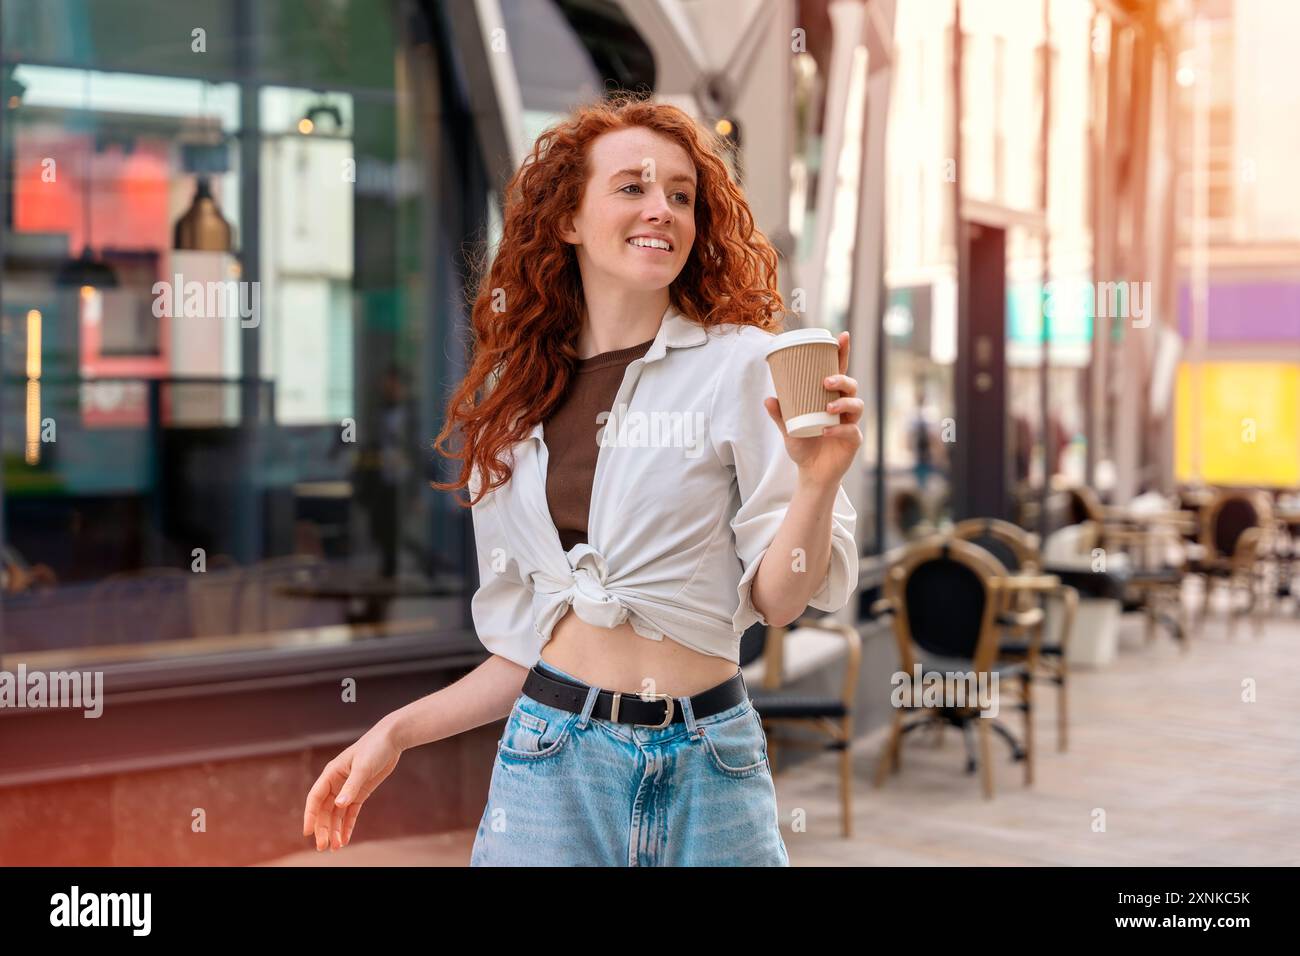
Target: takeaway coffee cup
{"x": 800, "y": 361}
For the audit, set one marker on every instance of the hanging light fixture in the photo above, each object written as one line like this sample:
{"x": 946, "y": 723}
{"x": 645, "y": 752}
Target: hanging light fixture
{"x": 86, "y": 270}
{"x": 202, "y": 227}
{"x": 311, "y": 119}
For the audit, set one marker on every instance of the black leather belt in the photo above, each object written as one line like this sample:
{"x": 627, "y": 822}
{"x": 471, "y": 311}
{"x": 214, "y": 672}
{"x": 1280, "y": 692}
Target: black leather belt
{"x": 648, "y": 710}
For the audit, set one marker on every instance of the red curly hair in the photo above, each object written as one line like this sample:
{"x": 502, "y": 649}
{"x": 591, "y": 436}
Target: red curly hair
{"x": 729, "y": 277}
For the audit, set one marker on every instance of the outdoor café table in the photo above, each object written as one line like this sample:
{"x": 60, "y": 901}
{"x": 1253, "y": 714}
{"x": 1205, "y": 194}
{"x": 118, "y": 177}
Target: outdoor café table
{"x": 1108, "y": 584}
{"x": 1146, "y": 576}
{"x": 1174, "y": 519}
{"x": 1142, "y": 532}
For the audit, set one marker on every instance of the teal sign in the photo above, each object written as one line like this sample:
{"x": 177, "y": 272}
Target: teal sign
{"x": 1070, "y": 308}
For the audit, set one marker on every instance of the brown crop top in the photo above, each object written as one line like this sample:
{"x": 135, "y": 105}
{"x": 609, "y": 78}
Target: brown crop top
{"x": 570, "y": 436}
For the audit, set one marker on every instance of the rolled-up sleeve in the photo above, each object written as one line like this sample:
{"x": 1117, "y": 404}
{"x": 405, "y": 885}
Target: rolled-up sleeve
{"x": 750, "y": 443}
{"x": 502, "y": 606}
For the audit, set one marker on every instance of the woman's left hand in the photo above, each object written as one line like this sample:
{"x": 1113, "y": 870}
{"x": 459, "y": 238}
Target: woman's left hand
{"x": 824, "y": 460}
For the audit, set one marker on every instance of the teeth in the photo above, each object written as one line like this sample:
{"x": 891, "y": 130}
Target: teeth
{"x": 650, "y": 243}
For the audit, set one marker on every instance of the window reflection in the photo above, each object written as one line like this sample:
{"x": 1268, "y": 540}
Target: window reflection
{"x": 227, "y": 332}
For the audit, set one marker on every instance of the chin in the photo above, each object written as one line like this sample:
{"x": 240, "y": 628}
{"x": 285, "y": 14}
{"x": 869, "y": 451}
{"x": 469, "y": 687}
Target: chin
{"x": 646, "y": 279}
{"x": 648, "y": 283}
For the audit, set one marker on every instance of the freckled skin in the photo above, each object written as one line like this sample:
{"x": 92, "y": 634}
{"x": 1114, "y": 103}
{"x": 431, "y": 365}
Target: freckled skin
{"x": 614, "y": 210}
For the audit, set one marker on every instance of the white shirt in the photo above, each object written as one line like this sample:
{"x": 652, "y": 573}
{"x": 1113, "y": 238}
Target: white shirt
{"x": 692, "y": 482}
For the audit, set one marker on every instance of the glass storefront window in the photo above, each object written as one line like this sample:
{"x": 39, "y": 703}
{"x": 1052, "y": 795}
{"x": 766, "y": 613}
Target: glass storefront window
{"x": 231, "y": 314}
{"x": 918, "y": 410}
{"x": 1058, "y": 455}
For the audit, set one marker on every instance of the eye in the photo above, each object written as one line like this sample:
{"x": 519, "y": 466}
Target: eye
{"x": 686, "y": 198}
{"x": 630, "y": 186}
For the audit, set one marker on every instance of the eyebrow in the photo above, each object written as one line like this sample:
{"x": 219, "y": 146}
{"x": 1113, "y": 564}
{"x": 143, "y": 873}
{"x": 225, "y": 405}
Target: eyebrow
{"x": 631, "y": 171}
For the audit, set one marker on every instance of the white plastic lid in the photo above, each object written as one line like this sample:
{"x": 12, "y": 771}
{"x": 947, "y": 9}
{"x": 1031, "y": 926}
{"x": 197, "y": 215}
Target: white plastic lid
{"x": 802, "y": 337}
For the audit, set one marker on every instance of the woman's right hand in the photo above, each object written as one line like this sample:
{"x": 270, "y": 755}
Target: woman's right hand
{"x": 343, "y": 786}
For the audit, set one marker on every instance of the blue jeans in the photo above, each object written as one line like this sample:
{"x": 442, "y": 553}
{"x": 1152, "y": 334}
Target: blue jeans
{"x": 574, "y": 790}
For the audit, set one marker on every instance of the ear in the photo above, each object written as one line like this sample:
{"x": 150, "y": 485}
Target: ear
{"x": 567, "y": 232}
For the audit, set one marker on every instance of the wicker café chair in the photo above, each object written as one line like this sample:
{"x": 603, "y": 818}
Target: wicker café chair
{"x": 829, "y": 716}
{"x": 1013, "y": 546}
{"x": 1017, "y": 550}
{"x": 947, "y": 598}
{"x": 1234, "y": 540}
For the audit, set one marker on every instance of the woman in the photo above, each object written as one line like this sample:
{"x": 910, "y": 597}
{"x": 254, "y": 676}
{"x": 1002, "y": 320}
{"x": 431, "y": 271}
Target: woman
{"x": 645, "y": 515}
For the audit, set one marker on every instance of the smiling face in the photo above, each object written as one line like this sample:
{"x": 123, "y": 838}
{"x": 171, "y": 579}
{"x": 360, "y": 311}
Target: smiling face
{"x": 639, "y": 196}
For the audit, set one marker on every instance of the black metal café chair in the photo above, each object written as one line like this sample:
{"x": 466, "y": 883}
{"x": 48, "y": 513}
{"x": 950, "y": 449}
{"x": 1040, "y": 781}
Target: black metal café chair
{"x": 831, "y": 717}
{"x": 1017, "y": 550}
{"x": 947, "y": 599}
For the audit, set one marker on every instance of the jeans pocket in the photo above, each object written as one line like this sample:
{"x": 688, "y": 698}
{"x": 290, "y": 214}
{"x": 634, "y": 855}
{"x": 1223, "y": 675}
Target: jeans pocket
{"x": 737, "y": 746}
{"x": 535, "y": 731}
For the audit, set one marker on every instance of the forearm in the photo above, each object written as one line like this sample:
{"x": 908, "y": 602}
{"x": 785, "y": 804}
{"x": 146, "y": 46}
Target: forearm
{"x": 799, "y": 558}
{"x": 483, "y": 695}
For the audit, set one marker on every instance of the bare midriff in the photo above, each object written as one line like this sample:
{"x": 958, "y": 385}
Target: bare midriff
{"x": 621, "y": 659}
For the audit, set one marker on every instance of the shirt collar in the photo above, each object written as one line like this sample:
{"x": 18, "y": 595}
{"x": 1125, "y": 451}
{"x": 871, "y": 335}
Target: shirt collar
{"x": 676, "y": 331}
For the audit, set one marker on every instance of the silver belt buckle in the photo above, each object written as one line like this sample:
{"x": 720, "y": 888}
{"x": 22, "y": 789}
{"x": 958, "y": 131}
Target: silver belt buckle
{"x": 668, "y": 711}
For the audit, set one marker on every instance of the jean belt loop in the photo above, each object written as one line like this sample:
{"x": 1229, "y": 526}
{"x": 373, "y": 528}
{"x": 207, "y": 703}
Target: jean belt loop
{"x": 587, "y": 705}
{"x": 687, "y": 714}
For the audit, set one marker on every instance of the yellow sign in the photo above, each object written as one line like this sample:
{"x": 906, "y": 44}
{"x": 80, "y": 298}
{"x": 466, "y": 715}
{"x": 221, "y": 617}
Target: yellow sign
{"x": 1247, "y": 418}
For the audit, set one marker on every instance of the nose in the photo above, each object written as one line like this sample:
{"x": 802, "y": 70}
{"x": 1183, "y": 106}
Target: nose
{"x": 659, "y": 211}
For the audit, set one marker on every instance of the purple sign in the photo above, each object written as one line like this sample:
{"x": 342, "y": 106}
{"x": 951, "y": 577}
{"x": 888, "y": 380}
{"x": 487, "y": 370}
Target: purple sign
{"x": 1246, "y": 312}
